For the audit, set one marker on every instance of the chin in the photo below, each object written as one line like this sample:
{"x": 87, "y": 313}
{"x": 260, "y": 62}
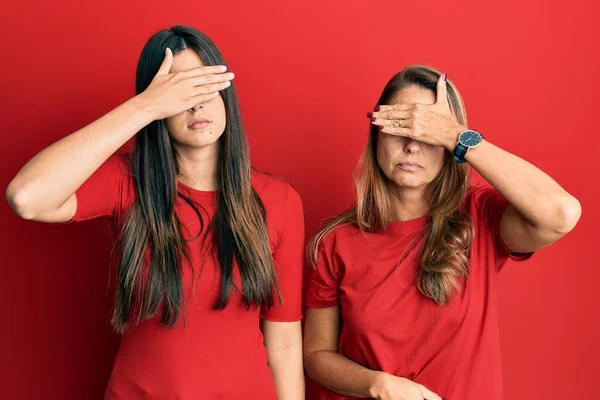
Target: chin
{"x": 203, "y": 143}
{"x": 408, "y": 182}
{"x": 409, "y": 185}
{"x": 201, "y": 139}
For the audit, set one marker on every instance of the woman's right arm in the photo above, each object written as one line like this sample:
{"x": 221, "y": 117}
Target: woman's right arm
{"x": 322, "y": 361}
{"x": 44, "y": 189}
{"x": 325, "y": 365}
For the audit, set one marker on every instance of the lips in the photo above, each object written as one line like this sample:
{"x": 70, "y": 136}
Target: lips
{"x": 408, "y": 166}
{"x": 199, "y": 123}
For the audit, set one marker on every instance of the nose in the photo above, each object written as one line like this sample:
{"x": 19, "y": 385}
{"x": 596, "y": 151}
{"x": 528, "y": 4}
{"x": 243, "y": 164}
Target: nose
{"x": 196, "y": 108}
{"x": 412, "y": 146}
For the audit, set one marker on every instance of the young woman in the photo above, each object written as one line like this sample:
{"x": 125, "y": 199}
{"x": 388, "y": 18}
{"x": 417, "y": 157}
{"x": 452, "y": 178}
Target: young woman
{"x": 211, "y": 251}
{"x": 402, "y": 303}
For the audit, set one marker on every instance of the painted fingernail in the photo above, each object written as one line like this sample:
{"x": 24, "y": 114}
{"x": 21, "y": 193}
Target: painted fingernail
{"x": 373, "y": 119}
{"x": 377, "y": 108}
{"x": 381, "y": 127}
{"x": 369, "y": 115}
{"x": 445, "y": 77}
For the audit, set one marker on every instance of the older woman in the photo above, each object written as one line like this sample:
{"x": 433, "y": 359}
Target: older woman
{"x": 402, "y": 300}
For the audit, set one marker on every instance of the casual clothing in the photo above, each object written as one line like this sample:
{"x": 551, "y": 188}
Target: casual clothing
{"x": 209, "y": 354}
{"x": 388, "y": 325}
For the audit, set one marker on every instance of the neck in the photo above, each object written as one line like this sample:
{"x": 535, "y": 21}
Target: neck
{"x": 198, "y": 166}
{"x": 407, "y": 203}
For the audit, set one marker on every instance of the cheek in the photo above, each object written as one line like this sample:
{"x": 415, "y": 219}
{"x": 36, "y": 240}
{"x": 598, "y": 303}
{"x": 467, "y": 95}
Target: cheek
{"x": 386, "y": 149}
{"x": 437, "y": 157}
{"x": 215, "y": 110}
{"x": 176, "y": 125}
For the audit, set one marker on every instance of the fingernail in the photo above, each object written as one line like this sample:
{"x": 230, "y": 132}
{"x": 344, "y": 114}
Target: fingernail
{"x": 377, "y": 108}
{"x": 381, "y": 127}
{"x": 445, "y": 77}
{"x": 373, "y": 119}
{"x": 369, "y": 115}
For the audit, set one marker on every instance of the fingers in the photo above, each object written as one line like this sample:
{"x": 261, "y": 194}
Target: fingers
{"x": 204, "y": 98}
{"x": 213, "y": 88}
{"x": 206, "y": 70}
{"x": 211, "y": 79}
{"x": 165, "y": 67}
{"x": 442, "y": 95}
{"x": 428, "y": 394}
{"x": 391, "y": 130}
{"x": 393, "y": 122}
{"x": 392, "y": 114}
{"x": 208, "y": 92}
{"x": 393, "y": 119}
{"x": 395, "y": 107}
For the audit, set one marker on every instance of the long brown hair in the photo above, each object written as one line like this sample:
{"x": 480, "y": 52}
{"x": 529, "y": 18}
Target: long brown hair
{"x": 447, "y": 237}
{"x": 152, "y": 244}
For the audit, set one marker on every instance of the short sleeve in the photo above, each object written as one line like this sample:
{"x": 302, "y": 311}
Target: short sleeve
{"x": 289, "y": 257}
{"x": 491, "y": 204}
{"x": 323, "y": 285}
{"x": 106, "y": 192}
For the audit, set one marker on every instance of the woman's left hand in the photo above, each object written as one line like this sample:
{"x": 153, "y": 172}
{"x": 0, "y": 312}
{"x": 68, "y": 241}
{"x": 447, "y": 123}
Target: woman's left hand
{"x": 431, "y": 124}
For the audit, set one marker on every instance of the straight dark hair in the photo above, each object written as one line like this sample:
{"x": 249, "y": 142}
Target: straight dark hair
{"x": 152, "y": 244}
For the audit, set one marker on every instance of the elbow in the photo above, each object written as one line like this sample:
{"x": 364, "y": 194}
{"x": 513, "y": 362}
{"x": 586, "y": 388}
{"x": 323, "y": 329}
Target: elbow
{"x": 19, "y": 201}
{"x": 308, "y": 367}
{"x": 306, "y": 361}
{"x": 567, "y": 215}
{"x": 310, "y": 361}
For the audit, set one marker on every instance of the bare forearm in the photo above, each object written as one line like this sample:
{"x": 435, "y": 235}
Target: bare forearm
{"x": 53, "y": 175}
{"x": 535, "y": 195}
{"x": 288, "y": 374}
{"x": 342, "y": 375}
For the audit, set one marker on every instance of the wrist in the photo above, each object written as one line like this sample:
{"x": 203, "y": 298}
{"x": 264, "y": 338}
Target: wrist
{"x": 377, "y": 384}
{"x": 143, "y": 108}
{"x": 452, "y": 136}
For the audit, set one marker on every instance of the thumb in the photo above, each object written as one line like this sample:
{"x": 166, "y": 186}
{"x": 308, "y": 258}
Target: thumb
{"x": 442, "y": 94}
{"x": 165, "y": 67}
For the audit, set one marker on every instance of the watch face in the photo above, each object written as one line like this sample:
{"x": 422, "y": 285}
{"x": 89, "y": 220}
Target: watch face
{"x": 470, "y": 138}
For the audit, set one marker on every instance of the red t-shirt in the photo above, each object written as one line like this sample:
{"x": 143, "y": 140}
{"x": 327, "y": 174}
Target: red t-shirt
{"x": 388, "y": 325}
{"x": 209, "y": 354}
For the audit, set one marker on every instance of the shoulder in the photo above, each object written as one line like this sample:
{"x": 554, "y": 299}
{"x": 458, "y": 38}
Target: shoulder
{"x": 485, "y": 206}
{"x": 274, "y": 192}
{"x": 118, "y": 164}
{"x": 121, "y": 160}
{"x": 120, "y": 168}
{"x": 481, "y": 195}
{"x": 339, "y": 235}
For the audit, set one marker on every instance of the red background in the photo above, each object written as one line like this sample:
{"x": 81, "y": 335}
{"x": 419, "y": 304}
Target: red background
{"x": 307, "y": 72}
